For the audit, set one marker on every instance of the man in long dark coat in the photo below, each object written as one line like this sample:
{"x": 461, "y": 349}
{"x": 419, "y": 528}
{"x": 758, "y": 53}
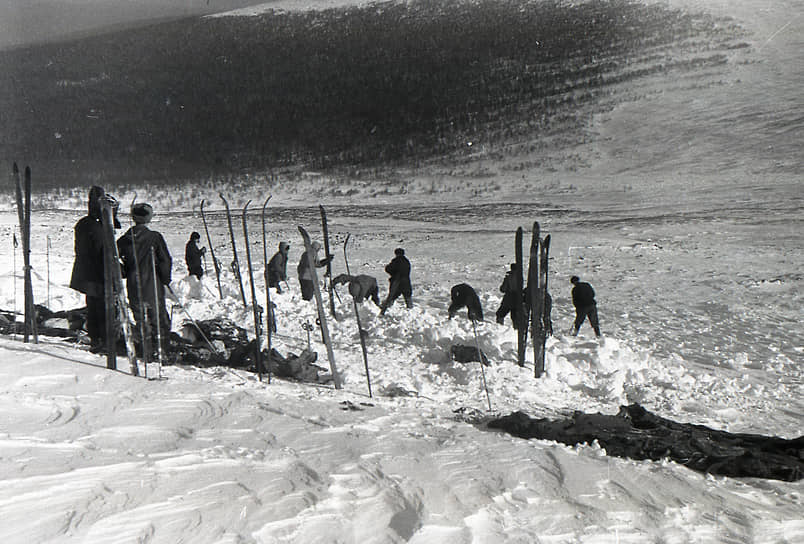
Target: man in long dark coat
{"x": 399, "y": 282}
{"x": 146, "y": 295}
{"x": 87, "y": 276}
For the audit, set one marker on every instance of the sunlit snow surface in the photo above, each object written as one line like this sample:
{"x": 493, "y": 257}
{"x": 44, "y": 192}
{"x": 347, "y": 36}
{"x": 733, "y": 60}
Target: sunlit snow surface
{"x": 700, "y": 315}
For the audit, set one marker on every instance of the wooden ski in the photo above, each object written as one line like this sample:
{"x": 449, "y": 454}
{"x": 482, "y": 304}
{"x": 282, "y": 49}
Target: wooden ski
{"x": 117, "y": 314}
{"x": 270, "y": 319}
{"x": 521, "y": 318}
{"x": 322, "y": 317}
{"x": 24, "y": 213}
{"x": 255, "y": 307}
{"x": 212, "y": 251}
{"x": 544, "y": 310}
{"x": 235, "y": 261}
{"x": 535, "y": 298}
{"x": 361, "y": 333}
{"x": 325, "y": 230}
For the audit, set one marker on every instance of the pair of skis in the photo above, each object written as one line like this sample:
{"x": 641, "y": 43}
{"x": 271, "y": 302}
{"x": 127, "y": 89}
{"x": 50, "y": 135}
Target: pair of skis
{"x": 24, "y": 213}
{"x": 238, "y": 274}
{"x": 114, "y": 295}
{"x": 530, "y": 301}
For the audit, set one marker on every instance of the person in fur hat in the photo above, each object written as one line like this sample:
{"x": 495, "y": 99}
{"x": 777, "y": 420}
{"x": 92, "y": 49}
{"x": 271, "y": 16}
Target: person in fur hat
{"x": 146, "y": 299}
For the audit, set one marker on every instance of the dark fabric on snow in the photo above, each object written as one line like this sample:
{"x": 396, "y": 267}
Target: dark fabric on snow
{"x": 636, "y": 433}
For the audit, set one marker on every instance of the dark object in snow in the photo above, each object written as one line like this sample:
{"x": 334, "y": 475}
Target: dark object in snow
{"x": 467, "y": 354}
{"x": 464, "y": 296}
{"x": 636, "y": 433}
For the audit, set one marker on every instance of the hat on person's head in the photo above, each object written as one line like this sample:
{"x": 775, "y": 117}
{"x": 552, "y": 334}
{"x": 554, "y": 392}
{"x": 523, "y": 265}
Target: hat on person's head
{"x": 399, "y": 251}
{"x": 142, "y": 213}
{"x": 195, "y": 236}
{"x": 284, "y": 246}
{"x": 575, "y": 279}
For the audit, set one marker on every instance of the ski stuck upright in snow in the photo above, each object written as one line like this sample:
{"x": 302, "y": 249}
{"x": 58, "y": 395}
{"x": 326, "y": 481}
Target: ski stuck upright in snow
{"x": 361, "y": 333}
{"x": 322, "y": 317}
{"x": 255, "y": 306}
{"x": 325, "y": 231}
{"x": 270, "y": 319}
{"x": 24, "y": 213}
{"x": 212, "y": 251}
{"x": 117, "y": 310}
{"x": 235, "y": 261}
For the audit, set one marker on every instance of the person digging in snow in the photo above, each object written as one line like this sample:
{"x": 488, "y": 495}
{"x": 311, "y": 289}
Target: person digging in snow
{"x": 362, "y": 287}
{"x": 464, "y": 296}
{"x": 583, "y": 298}
{"x": 399, "y": 282}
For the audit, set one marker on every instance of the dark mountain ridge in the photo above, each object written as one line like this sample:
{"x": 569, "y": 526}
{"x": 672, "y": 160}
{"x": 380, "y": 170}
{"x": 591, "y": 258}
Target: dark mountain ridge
{"x": 392, "y": 84}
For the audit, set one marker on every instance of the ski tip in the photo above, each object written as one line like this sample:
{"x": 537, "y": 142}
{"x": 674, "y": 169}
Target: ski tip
{"x": 15, "y": 168}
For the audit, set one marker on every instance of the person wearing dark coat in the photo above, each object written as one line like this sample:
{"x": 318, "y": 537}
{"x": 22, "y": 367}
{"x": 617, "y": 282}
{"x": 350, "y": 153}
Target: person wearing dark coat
{"x": 303, "y": 269}
{"x": 361, "y": 287}
{"x": 278, "y": 267}
{"x": 583, "y": 298}
{"x": 464, "y": 296}
{"x": 508, "y": 289}
{"x": 146, "y": 295}
{"x": 192, "y": 256}
{"x": 87, "y": 275}
{"x": 399, "y": 282}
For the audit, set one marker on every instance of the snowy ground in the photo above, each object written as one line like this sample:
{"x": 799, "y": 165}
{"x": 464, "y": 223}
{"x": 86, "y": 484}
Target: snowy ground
{"x": 699, "y": 313}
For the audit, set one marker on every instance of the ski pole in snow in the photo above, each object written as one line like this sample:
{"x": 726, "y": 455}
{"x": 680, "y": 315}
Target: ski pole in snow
{"x": 254, "y": 306}
{"x": 194, "y": 322}
{"x": 480, "y": 356}
{"x": 157, "y": 312}
{"x": 47, "y": 258}
{"x": 212, "y": 252}
{"x": 14, "y": 280}
{"x": 360, "y": 331}
{"x": 270, "y": 317}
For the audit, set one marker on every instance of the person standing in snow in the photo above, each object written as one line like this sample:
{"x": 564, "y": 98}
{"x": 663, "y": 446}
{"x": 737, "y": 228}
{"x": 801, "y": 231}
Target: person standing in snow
{"x": 583, "y": 298}
{"x": 508, "y": 289}
{"x": 303, "y": 269}
{"x": 153, "y": 300}
{"x": 399, "y": 282}
{"x": 192, "y": 256}
{"x": 278, "y": 267}
{"x": 88, "y": 274}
